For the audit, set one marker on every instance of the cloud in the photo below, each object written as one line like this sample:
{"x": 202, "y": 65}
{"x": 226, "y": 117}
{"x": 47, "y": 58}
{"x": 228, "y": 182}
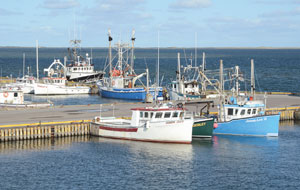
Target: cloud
{"x": 59, "y": 4}
{"x": 190, "y": 4}
{"x": 276, "y": 2}
{"x": 282, "y": 13}
{"x": 5, "y": 12}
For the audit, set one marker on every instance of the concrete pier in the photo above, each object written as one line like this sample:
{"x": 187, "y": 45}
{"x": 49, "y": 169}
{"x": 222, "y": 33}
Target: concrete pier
{"x": 62, "y": 121}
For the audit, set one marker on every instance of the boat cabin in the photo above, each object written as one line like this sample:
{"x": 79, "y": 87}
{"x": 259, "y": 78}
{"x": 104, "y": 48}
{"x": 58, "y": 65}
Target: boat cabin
{"x": 55, "y": 81}
{"x": 188, "y": 87}
{"x": 153, "y": 114}
{"x": 11, "y": 97}
{"x": 249, "y": 109}
{"x": 26, "y": 80}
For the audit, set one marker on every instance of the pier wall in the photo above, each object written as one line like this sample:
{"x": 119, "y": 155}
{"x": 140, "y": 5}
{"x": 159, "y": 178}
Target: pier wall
{"x": 44, "y": 130}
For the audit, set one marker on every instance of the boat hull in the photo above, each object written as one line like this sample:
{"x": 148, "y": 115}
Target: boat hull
{"x": 203, "y": 128}
{"x": 84, "y": 76}
{"x": 41, "y": 89}
{"x": 127, "y": 93}
{"x": 256, "y": 126}
{"x": 162, "y": 132}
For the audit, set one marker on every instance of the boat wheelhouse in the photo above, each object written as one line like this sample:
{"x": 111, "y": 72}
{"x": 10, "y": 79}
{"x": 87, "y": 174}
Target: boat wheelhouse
{"x": 151, "y": 124}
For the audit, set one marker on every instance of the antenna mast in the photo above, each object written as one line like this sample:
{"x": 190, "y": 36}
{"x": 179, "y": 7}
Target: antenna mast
{"x": 157, "y": 74}
{"x": 252, "y": 79}
{"x": 132, "y": 51}
{"x": 37, "y": 60}
{"x": 109, "y": 52}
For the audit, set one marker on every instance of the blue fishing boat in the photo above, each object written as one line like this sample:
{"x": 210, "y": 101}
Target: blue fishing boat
{"x": 244, "y": 115}
{"x": 121, "y": 83}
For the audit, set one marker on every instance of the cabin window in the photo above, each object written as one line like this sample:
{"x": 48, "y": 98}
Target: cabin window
{"x": 75, "y": 69}
{"x": 146, "y": 115}
{"x": 186, "y": 86}
{"x": 167, "y": 114}
{"x": 141, "y": 114}
{"x": 181, "y": 114}
{"x": 175, "y": 114}
{"x": 236, "y": 111}
{"x": 243, "y": 112}
{"x": 158, "y": 115}
{"x": 249, "y": 111}
{"x": 15, "y": 94}
{"x": 254, "y": 111}
{"x": 230, "y": 111}
{"x": 151, "y": 114}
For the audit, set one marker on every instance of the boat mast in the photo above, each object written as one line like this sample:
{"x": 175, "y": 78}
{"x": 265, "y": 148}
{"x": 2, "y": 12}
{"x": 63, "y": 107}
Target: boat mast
{"x": 203, "y": 85}
{"x": 221, "y": 87}
{"x": 237, "y": 81}
{"x": 132, "y": 52}
{"x": 195, "y": 49}
{"x": 23, "y": 64}
{"x": 109, "y": 53}
{"x": 252, "y": 79}
{"x": 178, "y": 67}
{"x": 37, "y": 60}
{"x": 157, "y": 74}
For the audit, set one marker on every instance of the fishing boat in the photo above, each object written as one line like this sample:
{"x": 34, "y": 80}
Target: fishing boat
{"x": 203, "y": 124}
{"x": 121, "y": 83}
{"x": 187, "y": 85}
{"x": 163, "y": 123}
{"x": 55, "y": 82}
{"x": 245, "y": 115}
{"x": 15, "y": 98}
{"x": 80, "y": 68}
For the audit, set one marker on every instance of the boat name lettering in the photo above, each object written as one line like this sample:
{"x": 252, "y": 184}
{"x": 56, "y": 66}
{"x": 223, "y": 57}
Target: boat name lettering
{"x": 170, "y": 122}
{"x": 256, "y": 120}
{"x": 199, "y": 124}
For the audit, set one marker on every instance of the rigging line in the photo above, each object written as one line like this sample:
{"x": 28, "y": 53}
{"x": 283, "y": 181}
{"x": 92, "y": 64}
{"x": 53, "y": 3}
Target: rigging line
{"x": 185, "y": 57}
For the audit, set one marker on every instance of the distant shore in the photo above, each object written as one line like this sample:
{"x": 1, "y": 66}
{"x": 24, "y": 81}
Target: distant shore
{"x": 165, "y": 47}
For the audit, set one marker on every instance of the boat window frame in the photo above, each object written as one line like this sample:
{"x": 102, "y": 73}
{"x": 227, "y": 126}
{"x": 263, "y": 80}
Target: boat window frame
{"x": 236, "y": 111}
{"x": 141, "y": 114}
{"x": 254, "y": 111}
{"x": 231, "y": 111}
{"x": 175, "y": 113}
{"x": 167, "y": 114}
{"x": 243, "y": 111}
{"x": 158, "y": 115}
{"x": 249, "y": 111}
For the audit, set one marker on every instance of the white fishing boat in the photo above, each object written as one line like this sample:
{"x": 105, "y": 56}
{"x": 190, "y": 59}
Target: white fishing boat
{"x": 164, "y": 123}
{"x": 55, "y": 83}
{"x": 25, "y": 84}
{"x": 15, "y": 98}
{"x": 79, "y": 68}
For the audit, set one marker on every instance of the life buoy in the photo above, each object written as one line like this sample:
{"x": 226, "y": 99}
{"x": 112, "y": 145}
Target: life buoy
{"x": 5, "y": 94}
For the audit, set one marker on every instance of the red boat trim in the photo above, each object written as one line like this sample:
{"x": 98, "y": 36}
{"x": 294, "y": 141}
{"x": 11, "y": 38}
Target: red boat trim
{"x": 118, "y": 129}
{"x": 148, "y": 140}
{"x": 157, "y": 109}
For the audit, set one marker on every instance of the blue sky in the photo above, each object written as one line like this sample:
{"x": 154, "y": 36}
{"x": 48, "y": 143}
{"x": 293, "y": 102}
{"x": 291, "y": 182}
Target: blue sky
{"x": 217, "y": 23}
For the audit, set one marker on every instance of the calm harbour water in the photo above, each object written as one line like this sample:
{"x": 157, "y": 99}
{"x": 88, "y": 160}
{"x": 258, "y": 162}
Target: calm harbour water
{"x": 225, "y": 162}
